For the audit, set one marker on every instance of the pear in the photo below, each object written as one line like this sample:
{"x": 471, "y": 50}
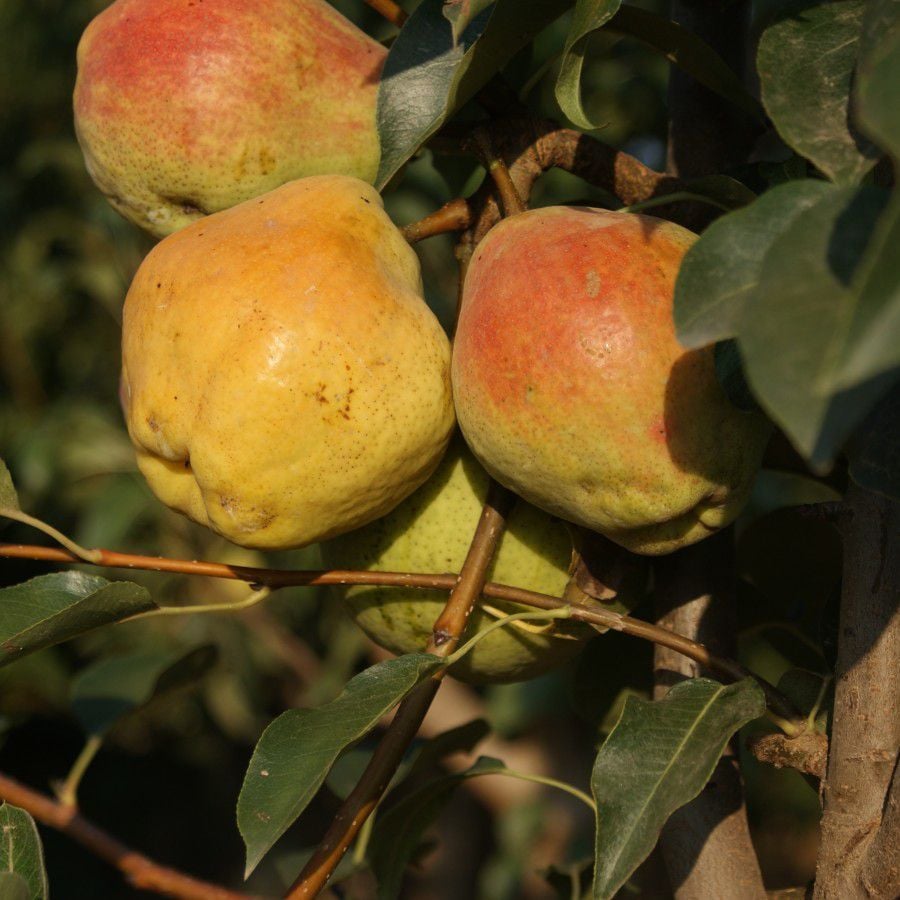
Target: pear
{"x": 572, "y": 390}
{"x": 283, "y": 380}
{"x": 187, "y": 108}
{"x": 431, "y": 532}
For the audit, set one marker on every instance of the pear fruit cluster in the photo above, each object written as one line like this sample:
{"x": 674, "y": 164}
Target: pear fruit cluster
{"x": 284, "y": 381}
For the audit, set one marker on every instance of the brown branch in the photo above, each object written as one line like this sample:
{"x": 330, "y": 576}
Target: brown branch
{"x": 389, "y": 10}
{"x": 705, "y": 844}
{"x": 143, "y": 873}
{"x": 865, "y": 737}
{"x": 807, "y": 753}
{"x": 453, "y": 216}
{"x": 445, "y": 635}
{"x": 592, "y": 615}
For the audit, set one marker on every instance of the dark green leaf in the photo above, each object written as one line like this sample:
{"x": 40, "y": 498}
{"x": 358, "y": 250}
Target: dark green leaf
{"x": 730, "y": 374}
{"x": 720, "y": 273}
{"x": 397, "y": 833}
{"x": 8, "y": 497}
{"x": 684, "y": 49}
{"x": 21, "y": 851}
{"x": 427, "y": 76}
{"x": 13, "y": 887}
{"x": 788, "y": 332}
{"x": 874, "y": 451}
{"x": 296, "y": 751}
{"x": 657, "y": 758}
{"x": 116, "y": 686}
{"x": 53, "y": 608}
{"x": 811, "y": 693}
{"x": 806, "y": 60}
{"x": 878, "y": 75}
{"x": 461, "y": 13}
{"x": 589, "y": 15}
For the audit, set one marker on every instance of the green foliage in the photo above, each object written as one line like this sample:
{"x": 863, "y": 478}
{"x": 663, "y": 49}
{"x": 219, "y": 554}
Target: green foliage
{"x": 676, "y": 742}
{"x": 295, "y": 753}
{"x": 53, "y": 608}
{"x": 8, "y": 497}
{"x": 21, "y": 855}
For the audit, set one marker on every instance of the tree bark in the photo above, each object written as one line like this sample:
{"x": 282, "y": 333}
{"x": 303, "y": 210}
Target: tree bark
{"x": 706, "y": 844}
{"x": 860, "y": 851}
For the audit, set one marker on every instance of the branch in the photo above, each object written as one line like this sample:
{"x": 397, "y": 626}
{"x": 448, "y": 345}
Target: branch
{"x": 860, "y": 799}
{"x": 143, "y": 873}
{"x": 592, "y": 614}
{"x": 806, "y": 753}
{"x": 445, "y": 635}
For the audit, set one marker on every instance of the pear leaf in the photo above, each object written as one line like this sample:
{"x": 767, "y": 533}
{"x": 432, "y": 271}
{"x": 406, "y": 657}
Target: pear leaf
{"x": 658, "y": 757}
{"x": 297, "y": 750}
{"x": 8, "y": 497}
{"x": 53, "y": 608}
{"x": 21, "y": 855}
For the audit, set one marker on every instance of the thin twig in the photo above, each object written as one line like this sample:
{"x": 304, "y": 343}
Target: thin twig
{"x": 142, "y": 872}
{"x": 445, "y": 635}
{"x": 593, "y": 615}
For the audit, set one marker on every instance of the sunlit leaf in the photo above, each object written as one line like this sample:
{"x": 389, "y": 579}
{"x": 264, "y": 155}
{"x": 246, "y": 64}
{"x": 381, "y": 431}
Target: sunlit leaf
{"x": 296, "y": 751}
{"x": 879, "y": 74}
{"x": 14, "y": 887}
{"x": 460, "y": 13}
{"x": 806, "y": 61}
{"x": 8, "y": 497}
{"x": 657, "y": 758}
{"x": 113, "y": 687}
{"x": 53, "y": 608}
{"x": 21, "y": 853}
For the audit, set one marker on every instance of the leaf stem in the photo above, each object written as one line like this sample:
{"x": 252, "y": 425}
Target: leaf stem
{"x": 564, "y": 612}
{"x": 91, "y": 556}
{"x": 67, "y": 794}
{"x": 255, "y": 597}
{"x": 550, "y": 782}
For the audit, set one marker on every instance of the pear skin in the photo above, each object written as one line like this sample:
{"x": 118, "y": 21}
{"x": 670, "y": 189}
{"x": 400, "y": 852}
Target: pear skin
{"x": 187, "y": 108}
{"x": 573, "y": 391}
{"x": 283, "y": 380}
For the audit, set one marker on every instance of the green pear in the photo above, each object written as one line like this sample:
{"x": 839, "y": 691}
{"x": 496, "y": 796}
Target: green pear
{"x": 431, "y": 532}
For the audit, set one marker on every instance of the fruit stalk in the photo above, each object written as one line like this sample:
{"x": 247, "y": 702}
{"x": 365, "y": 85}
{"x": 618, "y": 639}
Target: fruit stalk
{"x": 447, "y": 630}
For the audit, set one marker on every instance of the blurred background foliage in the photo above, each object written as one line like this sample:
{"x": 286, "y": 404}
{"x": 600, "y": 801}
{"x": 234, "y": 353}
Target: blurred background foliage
{"x": 166, "y": 781}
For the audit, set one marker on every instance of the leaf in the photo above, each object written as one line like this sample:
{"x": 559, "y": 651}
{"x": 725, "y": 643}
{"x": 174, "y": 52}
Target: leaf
{"x": 397, "y": 833}
{"x": 787, "y": 334}
{"x": 874, "y": 451}
{"x": 657, "y": 758}
{"x": 461, "y": 13}
{"x": 730, "y": 374}
{"x": 427, "y": 76}
{"x": 296, "y": 751}
{"x": 687, "y": 51}
{"x": 21, "y": 852}
{"x": 8, "y": 497}
{"x": 589, "y": 15}
{"x": 806, "y": 60}
{"x": 720, "y": 272}
{"x": 113, "y": 687}
{"x": 879, "y": 74}
{"x": 13, "y": 887}
{"x": 53, "y": 608}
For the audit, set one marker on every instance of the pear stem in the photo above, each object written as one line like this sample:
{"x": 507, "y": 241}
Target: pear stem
{"x": 594, "y": 614}
{"x": 510, "y": 198}
{"x": 453, "y": 216}
{"x": 445, "y": 635}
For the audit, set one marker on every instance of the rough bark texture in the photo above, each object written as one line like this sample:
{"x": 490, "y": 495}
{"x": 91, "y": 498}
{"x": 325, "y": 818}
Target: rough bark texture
{"x": 706, "y": 845}
{"x": 860, "y": 852}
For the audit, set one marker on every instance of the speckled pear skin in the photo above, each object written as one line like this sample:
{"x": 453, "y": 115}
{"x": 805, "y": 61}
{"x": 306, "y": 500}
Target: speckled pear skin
{"x": 572, "y": 389}
{"x": 431, "y": 532}
{"x": 187, "y": 107}
{"x": 283, "y": 380}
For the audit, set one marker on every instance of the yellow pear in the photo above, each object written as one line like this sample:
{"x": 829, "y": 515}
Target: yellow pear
{"x": 431, "y": 532}
{"x": 283, "y": 380}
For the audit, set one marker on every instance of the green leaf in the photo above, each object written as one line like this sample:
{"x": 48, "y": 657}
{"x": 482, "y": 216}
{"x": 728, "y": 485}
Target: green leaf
{"x": 296, "y": 751}
{"x": 53, "y": 608}
{"x": 657, "y": 758}
{"x": 874, "y": 451}
{"x": 398, "y": 832}
{"x": 8, "y": 497}
{"x": 720, "y": 273}
{"x": 21, "y": 851}
{"x": 427, "y": 76}
{"x": 13, "y": 887}
{"x": 878, "y": 75}
{"x": 589, "y": 15}
{"x": 687, "y": 51}
{"x": 461, "y": 13}
{"x": 113, "y": 687}
{"x": 787, "y": 334}
{"x": 806, "y": 61}
{"x": 730, "y": 374}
